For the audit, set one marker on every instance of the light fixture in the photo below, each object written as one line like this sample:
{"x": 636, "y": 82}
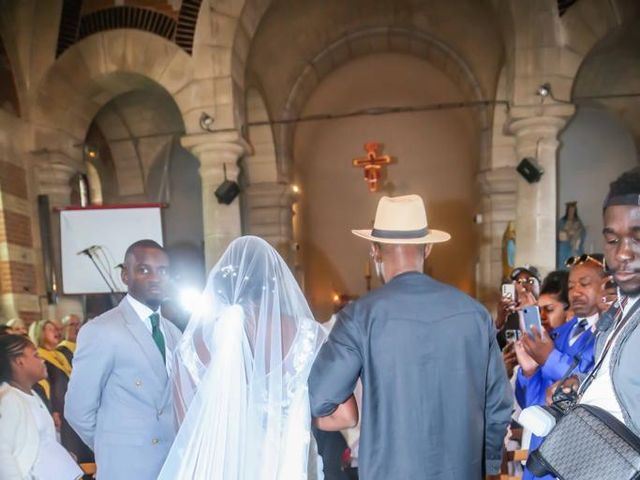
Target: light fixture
{"x": 90, "y": 151}
{"x": 544, "y": 90}
{"x": 206, "y": 122}
{"x": 295, "y": 189}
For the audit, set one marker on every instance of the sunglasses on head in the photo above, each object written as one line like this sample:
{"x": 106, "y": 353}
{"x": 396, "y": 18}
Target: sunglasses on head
{"x": 596, "y": 258}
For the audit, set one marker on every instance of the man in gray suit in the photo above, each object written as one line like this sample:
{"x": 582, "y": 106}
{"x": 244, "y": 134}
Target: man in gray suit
{"x": 436, "y": 399}
{"x": 119, "y": 397}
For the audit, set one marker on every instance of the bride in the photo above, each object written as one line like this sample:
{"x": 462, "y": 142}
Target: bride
{"x": 240, "y": 374}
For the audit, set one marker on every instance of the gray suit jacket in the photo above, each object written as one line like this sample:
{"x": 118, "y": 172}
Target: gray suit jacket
{"x": 119, "y": 397}
{"x": 436, "y": 399}
{"x": 623, "y": 368}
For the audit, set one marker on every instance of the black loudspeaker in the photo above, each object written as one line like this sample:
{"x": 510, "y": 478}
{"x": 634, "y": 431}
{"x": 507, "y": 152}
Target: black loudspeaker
{"x": 227, "y": 192}
{"x": 530, "y": 170}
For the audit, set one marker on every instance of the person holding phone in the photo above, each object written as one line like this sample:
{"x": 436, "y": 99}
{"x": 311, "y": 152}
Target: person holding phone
{"x": 547, "y": 354}
{"x": 552, "y": 304}
{"x": 575, "y": 338}
{"x": 522, "y": 288}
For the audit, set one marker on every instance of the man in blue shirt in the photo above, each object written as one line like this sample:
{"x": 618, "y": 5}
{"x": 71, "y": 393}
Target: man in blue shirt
{"x": 569, "y": 346}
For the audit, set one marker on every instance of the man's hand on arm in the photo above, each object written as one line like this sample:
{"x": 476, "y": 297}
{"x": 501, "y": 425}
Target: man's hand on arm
{"x": 336, "y": 370}
{"x": 345, "y": 416}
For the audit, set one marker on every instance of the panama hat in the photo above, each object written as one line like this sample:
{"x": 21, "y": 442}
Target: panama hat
{"x": 402, "y": 220}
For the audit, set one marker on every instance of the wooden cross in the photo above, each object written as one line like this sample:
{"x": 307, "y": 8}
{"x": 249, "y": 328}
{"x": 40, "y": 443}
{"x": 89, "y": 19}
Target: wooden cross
{"x": 372, "y": 165}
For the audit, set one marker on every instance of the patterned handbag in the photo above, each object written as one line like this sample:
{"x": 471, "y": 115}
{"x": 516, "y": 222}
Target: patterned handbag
{"x": 588, "y": 443}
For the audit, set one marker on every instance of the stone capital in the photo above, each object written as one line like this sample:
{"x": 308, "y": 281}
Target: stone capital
{"x": 542, "y": 110}
{"x": 534, "y": 133}
{"x": 54, "y": 173}
{"x": 498, "y": 181}
{"x": 217, "y": 151}
{"x": 220, "y": 142}
{"x": 537, "y": 126}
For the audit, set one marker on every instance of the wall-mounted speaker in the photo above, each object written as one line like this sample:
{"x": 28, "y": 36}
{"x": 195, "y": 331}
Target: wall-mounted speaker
{"x": 530, "y": 170}
{"x": 227, "y": 192}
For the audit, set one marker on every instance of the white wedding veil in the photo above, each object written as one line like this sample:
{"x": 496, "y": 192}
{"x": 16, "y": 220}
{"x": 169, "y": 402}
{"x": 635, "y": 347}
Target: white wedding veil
{"x": 240, "y": 373}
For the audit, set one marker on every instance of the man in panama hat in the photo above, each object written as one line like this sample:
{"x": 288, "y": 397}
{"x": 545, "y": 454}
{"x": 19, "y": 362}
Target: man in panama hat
{"x": 436, "y": 399}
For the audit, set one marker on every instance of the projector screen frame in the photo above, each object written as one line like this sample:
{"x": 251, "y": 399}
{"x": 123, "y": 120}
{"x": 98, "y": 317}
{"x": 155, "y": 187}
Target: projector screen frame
{"x": 67, "y": 289}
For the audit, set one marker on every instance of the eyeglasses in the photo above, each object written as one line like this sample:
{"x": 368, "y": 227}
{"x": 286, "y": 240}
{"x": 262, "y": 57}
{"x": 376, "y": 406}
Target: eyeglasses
{"x": 597, "y": 258}
{"x": 525, "y": 281}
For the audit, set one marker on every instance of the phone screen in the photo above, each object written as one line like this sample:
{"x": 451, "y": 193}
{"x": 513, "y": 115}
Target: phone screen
{"x": 531, "y": 317}
{"x": 509, "y": 290}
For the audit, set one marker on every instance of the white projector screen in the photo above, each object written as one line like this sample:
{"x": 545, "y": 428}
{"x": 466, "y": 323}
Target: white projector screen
{"x": 106, "y": 232}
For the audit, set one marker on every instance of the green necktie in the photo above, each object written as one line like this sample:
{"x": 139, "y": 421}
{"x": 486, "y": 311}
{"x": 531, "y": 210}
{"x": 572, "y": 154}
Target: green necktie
{"x": 156, "y": 333}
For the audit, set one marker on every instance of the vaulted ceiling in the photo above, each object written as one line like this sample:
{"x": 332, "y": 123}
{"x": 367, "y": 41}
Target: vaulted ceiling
{"x": 293, "y": 32}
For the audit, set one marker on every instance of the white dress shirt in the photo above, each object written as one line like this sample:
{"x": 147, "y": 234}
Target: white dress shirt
{"x": 144, "y": 313}
{"x": 601, "y": 393}
{"x": 591, "y": 325}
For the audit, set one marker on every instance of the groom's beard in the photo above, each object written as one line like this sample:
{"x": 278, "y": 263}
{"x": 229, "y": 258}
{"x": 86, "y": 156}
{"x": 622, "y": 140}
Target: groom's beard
{"x": 379, "y": 270}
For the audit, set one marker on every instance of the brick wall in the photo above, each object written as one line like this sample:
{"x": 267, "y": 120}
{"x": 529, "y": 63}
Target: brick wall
{"x": 17, "y": 275}
{"x": 13, "y": 179}
{"x": 15, "y": 228}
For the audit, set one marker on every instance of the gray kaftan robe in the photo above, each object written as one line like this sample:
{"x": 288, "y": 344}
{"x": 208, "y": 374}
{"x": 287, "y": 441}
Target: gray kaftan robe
{"x": 436, "y": 399}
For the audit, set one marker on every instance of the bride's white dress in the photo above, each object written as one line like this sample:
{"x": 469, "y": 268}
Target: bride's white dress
{"x": 240, "y": 374}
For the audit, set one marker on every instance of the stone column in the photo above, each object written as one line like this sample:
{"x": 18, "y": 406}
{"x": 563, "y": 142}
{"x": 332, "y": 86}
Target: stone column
{"x": 54, "y": 174}
{"x": 268, "y": 208}
{"x": 536, "y": 212}
{"x": 498, "y": 207}
{"x": 221, "y": 222}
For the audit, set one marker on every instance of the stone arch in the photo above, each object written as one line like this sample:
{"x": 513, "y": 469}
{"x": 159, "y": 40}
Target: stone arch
{"x": 587, "y": 22}
{"x": 261, "y": 165}
{"x": 608, "y": 76}
{"x": 545, "y": 47}
{"x": 220, "y": 48}
{"x": 104, "y": 65}
{"x": 372, "y": 41}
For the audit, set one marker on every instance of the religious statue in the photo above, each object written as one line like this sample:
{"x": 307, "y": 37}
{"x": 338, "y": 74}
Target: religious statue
{"x": 571, "y": 234}
{"x": 509, "y": 249}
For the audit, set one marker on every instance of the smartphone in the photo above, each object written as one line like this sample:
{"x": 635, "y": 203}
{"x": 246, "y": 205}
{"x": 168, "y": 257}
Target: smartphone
{"x": 509, "y": 291}
{"x": 531, "y": 317}
{"x": 511, "y": 335}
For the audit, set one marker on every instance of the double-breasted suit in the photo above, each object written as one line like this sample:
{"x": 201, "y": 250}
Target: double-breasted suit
{"x": 119, "y": 399}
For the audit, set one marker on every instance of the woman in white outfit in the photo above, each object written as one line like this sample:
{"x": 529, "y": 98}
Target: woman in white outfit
{"x": 240, "y": 374}
{"x": 29, "y": 449}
